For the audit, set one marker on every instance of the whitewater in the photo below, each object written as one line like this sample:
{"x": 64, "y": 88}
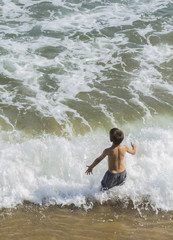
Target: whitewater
{"x": 69, "y": 72}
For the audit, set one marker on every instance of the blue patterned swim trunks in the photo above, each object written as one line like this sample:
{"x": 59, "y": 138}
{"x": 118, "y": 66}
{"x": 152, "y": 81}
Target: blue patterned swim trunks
{"x": 113, "y": 179}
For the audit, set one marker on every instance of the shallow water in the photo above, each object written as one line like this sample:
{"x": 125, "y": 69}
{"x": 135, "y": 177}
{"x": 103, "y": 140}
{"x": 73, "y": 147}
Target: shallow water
{"x": 102, "y": 222}
{"x": 70, "y": 71}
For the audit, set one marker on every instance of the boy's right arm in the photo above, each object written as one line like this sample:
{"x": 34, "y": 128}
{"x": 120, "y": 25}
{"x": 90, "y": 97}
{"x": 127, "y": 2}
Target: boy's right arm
{"x": 133, "y": 150}
{"x": 96, "y": 161}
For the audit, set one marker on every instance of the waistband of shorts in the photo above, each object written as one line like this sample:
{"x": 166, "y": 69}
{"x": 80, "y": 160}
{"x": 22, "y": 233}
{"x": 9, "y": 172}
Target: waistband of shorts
{"x": 119, "y": 174}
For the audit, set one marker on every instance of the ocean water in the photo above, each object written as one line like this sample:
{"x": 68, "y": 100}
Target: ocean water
{"x": 70, "y": 71}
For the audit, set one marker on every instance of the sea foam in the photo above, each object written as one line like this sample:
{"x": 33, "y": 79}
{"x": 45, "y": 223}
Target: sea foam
{"x": 51, "y": 170}
{"x": 80, "y": 64}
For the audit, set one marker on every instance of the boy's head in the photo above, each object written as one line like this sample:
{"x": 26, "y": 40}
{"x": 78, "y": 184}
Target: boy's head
{"x": 116, "y": 136}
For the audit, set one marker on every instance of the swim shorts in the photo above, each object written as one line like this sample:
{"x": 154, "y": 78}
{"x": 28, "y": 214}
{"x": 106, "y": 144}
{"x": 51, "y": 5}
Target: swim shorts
{"x": 113, "y": 179}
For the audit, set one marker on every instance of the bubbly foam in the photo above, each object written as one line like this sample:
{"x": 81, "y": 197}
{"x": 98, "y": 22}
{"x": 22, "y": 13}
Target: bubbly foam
{"x": 74, "y": 63}
{"x": 51, "y": 170}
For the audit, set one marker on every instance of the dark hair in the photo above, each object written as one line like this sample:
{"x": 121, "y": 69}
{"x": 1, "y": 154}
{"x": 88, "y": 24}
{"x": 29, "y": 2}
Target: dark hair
{"x": 116, "y": 135}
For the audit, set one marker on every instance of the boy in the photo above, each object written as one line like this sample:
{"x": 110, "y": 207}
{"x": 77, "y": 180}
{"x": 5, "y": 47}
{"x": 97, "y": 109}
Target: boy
{"x": 116, "y": 173}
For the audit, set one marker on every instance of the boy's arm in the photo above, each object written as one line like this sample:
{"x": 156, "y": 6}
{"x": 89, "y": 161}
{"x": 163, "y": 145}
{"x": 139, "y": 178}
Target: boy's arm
{"x": 131, "y": 151}
{"x": 96, "y": 161}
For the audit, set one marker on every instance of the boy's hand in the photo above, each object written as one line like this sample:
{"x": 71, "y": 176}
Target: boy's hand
{"x": 133, "y": 145}
{"x": 89, "y": 170}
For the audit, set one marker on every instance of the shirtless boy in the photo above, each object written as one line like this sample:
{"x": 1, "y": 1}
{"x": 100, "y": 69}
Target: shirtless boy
{"x": 116, "y": 173}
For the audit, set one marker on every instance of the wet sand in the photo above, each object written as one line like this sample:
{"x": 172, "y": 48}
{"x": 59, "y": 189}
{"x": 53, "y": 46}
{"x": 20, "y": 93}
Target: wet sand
{"x": 33, "y": 222}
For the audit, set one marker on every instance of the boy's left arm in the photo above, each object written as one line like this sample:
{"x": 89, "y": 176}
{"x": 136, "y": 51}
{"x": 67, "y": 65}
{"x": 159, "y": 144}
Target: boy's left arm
{"x": 96, "y": 161}
{"x": 133, "y": 150}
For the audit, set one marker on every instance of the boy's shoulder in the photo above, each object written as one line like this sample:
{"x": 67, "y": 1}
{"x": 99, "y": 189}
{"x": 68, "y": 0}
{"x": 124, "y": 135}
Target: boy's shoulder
{"x": 110, "y": 149}
{"x": 107, "y": 150}
{"x": 124, "y": 147}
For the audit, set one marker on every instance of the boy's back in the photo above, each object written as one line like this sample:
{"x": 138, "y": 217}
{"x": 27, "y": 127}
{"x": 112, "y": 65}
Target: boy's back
{"x": 116, "y": 157}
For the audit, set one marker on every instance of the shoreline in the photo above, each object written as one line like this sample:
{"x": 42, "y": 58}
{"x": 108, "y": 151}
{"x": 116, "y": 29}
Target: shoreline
{"x": 32, "y": 221}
